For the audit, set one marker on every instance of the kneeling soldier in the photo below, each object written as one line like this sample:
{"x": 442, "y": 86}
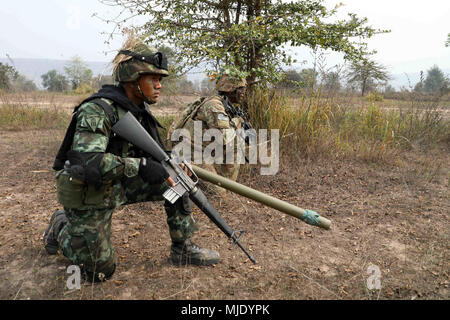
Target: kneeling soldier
{"x": 98, "y": 171}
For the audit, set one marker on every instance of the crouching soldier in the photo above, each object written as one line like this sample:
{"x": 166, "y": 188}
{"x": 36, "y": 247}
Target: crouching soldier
{"x": 98, "y": 171}
{"x": 222, "y": 112}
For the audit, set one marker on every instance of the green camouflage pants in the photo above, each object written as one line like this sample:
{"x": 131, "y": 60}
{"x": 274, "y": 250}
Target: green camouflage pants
{"x": 85, "y": 240}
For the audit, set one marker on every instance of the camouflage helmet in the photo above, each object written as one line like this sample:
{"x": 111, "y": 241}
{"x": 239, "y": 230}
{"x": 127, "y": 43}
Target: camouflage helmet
{"x": 228, "y": 83}
{"x": 142, "y": 59}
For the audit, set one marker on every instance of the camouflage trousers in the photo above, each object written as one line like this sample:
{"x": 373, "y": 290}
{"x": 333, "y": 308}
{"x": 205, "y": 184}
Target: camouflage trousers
{"x": 85, "y": 239}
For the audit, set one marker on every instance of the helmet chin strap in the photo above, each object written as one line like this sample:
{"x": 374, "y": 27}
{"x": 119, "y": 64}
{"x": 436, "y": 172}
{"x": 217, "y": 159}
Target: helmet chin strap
{"x": 144, "y": 97}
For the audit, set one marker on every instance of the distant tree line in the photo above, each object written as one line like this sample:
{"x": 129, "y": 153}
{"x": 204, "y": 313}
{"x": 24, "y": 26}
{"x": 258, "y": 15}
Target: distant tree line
{"x": 77, "y": 78}
{"x": 435, "y": 81}
{"x": 361, "y": 76}
{"x": 12, "y": 80}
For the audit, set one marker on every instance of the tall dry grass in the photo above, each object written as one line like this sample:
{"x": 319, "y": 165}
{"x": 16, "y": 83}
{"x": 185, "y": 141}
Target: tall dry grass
{"x": 30, "y": 111}
{"x": 313, "y": 126}
{"x": 310, "y": 126}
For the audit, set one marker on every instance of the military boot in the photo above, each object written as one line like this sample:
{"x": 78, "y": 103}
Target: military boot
{"x": 57, "y": 222}
{"x": 182, "y": 253}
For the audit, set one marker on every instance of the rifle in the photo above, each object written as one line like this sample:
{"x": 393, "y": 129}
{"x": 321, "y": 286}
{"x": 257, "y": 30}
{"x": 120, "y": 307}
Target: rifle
{"x": 131, "y": 130}
{"x": 235, "y": 112}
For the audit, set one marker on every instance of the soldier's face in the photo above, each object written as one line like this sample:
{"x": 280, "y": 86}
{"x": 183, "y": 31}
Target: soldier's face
{"x": 240, "y": 93}
{"x": 150, "y": 85}
{"x": 237, "y": 96}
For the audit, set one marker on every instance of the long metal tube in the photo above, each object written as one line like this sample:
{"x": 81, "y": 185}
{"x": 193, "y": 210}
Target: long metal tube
{"x": 308, "y": 216}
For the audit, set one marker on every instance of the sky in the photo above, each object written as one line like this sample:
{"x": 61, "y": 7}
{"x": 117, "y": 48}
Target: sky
{"x": 60, "y": 29}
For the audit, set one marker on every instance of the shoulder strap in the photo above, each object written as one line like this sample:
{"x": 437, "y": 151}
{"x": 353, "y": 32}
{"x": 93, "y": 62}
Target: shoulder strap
{"x": 188, "y": 113}
{"x": 107, "y": 108}
{"x": 68, "y": 138}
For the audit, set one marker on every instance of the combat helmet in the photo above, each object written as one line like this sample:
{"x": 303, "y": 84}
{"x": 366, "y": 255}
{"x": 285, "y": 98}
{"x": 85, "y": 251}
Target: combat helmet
{"x": 228, "y": 82}
{"x": 137, "y": 59}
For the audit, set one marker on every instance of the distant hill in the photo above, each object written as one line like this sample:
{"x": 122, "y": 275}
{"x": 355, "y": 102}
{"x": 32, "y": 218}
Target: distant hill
{"x": 34, "y": 68}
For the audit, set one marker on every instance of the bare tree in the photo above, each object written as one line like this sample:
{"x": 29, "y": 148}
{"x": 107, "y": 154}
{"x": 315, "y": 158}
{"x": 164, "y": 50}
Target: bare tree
{"x": 366, "y": 73}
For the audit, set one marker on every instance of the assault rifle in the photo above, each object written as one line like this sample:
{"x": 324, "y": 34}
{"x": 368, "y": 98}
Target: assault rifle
{"x": 248, "y": 130}
{"x": 234, "y": 111}
{"x": 131, "y": 130}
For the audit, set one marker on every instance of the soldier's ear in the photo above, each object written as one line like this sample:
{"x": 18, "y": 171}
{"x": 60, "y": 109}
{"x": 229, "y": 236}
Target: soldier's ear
{"x": 131, "y": 88}
{"x": 125, "y": 85}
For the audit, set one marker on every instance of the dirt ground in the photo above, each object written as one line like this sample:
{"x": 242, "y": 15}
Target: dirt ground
{"x": 168, "y": 104}
{"x": 391, "y": 218}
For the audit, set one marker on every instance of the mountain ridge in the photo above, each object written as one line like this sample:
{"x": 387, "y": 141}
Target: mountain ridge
{"x": 33, "y": 69}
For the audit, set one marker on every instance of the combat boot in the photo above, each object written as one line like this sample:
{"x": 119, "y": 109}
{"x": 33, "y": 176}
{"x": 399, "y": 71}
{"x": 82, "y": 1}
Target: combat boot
{"x": 182, "y": 253}
{"x": 57, "y": 222}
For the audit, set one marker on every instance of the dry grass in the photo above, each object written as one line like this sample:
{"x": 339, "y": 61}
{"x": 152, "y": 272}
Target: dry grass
{"x": 390, "y": 214}
{"x": 19, "y": 118}
{"x": 348, "y": 127}
{"x": 316, "y": 126}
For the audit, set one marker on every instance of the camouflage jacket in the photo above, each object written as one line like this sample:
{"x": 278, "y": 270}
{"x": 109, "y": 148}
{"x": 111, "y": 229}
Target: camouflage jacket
{"x": 103, "y": 153}
{"x": 212, "y": 114}
{"x": 93, "y": 134}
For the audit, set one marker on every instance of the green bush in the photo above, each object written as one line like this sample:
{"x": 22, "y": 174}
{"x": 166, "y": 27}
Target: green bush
{"x": 83, "y": 89}
{"x": 374, "y": 97}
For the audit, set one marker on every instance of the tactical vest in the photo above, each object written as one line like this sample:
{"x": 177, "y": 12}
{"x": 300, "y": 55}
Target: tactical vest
{"x": 76, "y": 194}
{"x": 109, "y": 194}
{"x": 188, "y": 115}
{"x": 186, "y": 121}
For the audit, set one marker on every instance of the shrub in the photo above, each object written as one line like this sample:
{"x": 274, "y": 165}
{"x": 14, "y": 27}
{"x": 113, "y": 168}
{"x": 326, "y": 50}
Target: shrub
{"x": 374, "y": 96}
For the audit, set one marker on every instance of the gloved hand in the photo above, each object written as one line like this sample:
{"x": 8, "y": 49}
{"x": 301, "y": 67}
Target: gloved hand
{"x": 152, "y": 171}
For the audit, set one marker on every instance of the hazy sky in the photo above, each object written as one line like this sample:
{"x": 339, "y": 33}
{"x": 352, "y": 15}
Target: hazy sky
{"x": 59, "y": 29}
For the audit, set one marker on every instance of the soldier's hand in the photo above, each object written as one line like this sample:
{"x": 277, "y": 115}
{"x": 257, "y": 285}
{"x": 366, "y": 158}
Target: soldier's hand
{"x": 152, "y": 171}
{"x": 170, "y": 180}
{"x": 186, "y": 169}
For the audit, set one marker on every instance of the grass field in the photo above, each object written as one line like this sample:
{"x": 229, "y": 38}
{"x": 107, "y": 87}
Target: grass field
{"x": 379, "y": 170}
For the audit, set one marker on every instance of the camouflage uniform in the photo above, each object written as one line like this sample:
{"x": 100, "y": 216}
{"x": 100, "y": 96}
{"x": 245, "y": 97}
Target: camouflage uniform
{"x": 110, "y": 176}
{"x": 213, "y": 115}
{"x": 85, "y": 240}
